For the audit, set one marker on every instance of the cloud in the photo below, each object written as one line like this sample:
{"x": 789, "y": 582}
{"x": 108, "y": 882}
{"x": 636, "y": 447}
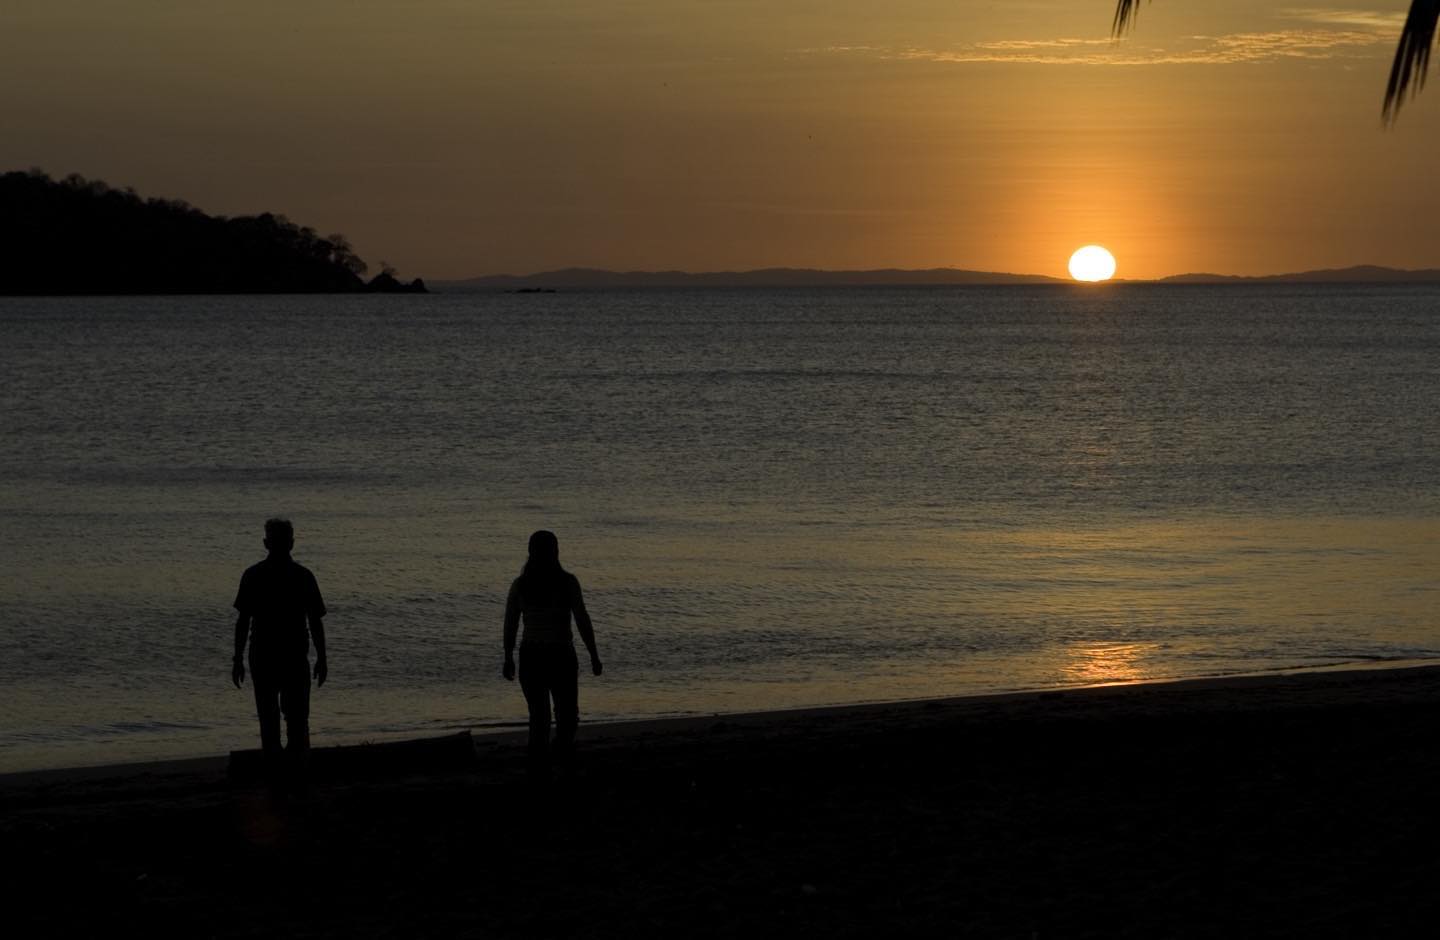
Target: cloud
{"x": 1042, "y": 43}
{"x": 1285, "y": 44}
{"x": 1335, "y": 34}
{"x": 1388, "y": 22}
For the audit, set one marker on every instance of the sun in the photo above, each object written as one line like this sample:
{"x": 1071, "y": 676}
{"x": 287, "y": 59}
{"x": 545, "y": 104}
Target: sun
{"x": 1092, "y": 263}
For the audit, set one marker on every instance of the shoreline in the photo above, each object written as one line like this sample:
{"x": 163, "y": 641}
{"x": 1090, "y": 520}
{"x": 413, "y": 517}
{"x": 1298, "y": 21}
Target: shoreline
{"x": 1294, "y": 805}
{"x": 214, "y": 767}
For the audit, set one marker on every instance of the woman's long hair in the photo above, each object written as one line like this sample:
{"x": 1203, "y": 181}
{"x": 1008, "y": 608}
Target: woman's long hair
{"x": 543, "y": 583}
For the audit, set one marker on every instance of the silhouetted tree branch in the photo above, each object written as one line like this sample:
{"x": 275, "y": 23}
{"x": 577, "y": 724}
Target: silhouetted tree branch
{"x": 80, "y": 236}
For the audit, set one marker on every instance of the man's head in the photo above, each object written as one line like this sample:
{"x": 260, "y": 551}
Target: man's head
{"x": 279, "y": 536}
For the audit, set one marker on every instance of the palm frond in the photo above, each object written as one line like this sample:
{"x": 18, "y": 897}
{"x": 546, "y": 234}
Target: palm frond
{"x": 1126, "y": 12}
{"x": 1412, "y": 55}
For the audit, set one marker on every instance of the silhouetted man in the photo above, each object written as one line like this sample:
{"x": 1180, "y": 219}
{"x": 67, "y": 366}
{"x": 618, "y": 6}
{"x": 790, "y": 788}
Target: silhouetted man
{"x": 276, "y": 600}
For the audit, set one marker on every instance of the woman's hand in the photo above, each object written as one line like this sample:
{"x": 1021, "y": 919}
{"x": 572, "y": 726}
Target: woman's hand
{"x": 508, "y": 670}
{"x": 596, "y": 666}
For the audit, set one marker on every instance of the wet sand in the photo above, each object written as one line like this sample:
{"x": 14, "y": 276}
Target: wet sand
{"x": 1300, "y": 805}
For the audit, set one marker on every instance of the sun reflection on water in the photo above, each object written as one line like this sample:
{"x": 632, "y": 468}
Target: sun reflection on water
{"x": 1096, "y": 663}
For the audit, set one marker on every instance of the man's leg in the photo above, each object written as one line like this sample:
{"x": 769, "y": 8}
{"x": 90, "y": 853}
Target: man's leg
{"x": 267, "y": 707}
{"x": 534, "y": 682}
{"x": 295, "y": 703}
{"x": 565, "y": 687}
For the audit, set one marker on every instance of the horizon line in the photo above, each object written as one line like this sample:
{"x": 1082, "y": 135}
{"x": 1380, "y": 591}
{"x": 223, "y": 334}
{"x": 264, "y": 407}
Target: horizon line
{"x": 1354, "y": 273}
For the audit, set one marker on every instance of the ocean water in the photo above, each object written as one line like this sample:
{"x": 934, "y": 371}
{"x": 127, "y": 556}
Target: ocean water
{"x": 772, "y": 498}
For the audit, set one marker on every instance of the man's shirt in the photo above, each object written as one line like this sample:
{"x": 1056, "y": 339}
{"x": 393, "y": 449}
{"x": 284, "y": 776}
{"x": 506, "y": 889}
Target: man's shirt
{"x": 279, "y": 595}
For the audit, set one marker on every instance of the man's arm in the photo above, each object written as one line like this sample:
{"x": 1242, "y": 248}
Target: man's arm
{"x": 587, "y": 629}
{"x": 317, "y": 636}
{"x": 237, "y": 665}
{"x": 315, "y": 615}
{"x": 512, "y": 628}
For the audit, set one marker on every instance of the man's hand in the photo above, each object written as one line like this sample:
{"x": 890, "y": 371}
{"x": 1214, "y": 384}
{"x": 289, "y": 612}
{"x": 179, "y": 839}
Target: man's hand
{"x": 508, "y": 670}
{"x": 322, "y": 669}
{"x": 237, "y": 671}
{"x": 596, "y": 666}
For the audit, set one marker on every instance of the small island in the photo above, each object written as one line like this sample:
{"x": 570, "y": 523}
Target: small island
{"x": 82, "y": 236}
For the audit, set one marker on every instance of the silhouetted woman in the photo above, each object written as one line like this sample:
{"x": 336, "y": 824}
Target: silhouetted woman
{"x": 545, "y": 595}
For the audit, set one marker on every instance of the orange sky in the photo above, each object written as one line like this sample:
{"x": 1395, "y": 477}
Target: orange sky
{"x": 456, "y": 137}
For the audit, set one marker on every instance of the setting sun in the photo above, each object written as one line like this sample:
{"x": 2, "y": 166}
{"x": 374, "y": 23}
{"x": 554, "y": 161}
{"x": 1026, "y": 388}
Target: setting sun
{"x": 1092, "y": 263}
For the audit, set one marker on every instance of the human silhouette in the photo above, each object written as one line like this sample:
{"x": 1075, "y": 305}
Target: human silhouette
{"x": 545, "y": 596}
{"x": 277, "y": 598}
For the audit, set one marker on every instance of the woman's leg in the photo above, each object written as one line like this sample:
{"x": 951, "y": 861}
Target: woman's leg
{"x": 565, "y": 687}
{"x": 534, "y": 682}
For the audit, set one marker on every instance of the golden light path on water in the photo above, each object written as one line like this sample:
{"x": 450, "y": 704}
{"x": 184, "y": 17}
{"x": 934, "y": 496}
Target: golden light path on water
{"x": 1111, "y": 604}
{"x": 1096, "y": 663}
{"x": 1226, "y": 578}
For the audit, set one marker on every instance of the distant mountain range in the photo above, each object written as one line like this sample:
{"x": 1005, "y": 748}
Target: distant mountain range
{"x": 1359, "y": 274}
{"x": 765, "y": 277}
{"x": 574, "y": 278}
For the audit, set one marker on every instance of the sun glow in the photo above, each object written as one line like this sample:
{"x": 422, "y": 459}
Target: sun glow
{"x": 1092, "y": 263}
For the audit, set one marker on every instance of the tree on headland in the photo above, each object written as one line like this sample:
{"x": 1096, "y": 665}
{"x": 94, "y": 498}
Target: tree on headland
{"x": 1412, "y": 54}
{"x": 81, "y": 236}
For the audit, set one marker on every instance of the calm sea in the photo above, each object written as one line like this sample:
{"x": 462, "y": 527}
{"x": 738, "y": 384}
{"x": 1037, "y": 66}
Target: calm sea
{"x": 773, "y": 499}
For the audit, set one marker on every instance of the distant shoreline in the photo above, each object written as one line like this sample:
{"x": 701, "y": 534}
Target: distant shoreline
{"x": 100, "y": 295}
{"x": 551, "y": 282}
{"x": 773, "y": 278}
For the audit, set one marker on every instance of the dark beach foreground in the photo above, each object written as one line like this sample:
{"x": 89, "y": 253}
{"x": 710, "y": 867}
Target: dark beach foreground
{"x": 1298, "y": 806}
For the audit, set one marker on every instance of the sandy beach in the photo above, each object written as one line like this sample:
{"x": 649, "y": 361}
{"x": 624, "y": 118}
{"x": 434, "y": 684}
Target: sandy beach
{"x": 1297, "y": 805}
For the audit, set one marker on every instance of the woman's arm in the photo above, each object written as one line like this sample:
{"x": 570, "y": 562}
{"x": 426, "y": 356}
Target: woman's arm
{"x": 586, "y": 628}
{"x": 512, "y": 628}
